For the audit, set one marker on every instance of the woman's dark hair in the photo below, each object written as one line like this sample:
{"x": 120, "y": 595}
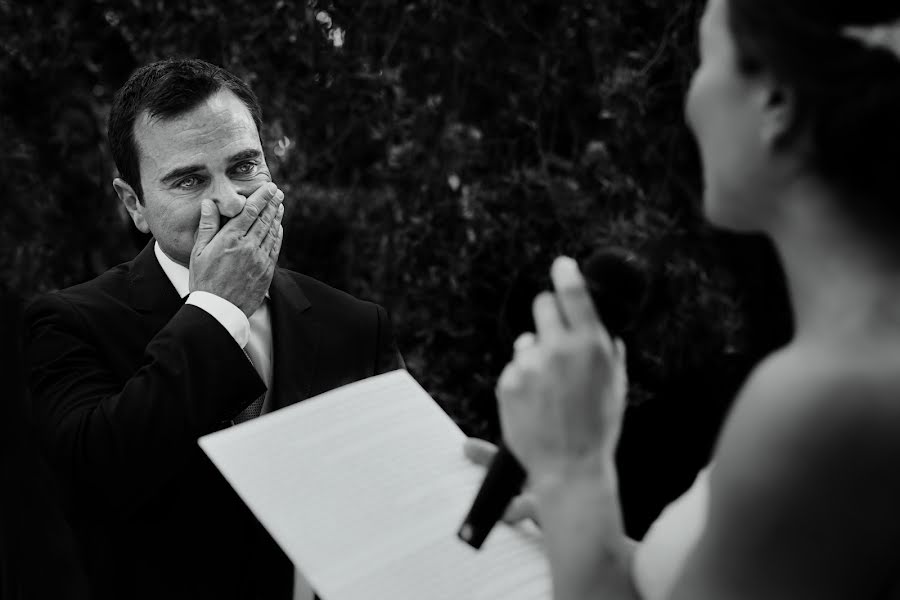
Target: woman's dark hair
{"x": 167, "y": 89}
{"x": 847, "y": 93}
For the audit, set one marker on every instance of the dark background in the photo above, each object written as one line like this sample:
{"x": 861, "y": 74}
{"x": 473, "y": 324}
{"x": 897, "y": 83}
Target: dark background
{"x": 435, "y": 157}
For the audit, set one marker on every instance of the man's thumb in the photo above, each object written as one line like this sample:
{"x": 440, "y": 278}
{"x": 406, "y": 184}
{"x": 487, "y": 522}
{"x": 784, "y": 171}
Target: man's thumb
{"x": 209, "y": 223}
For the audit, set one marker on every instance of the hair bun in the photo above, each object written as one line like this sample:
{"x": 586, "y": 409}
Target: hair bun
{"x": 878, "y": 37}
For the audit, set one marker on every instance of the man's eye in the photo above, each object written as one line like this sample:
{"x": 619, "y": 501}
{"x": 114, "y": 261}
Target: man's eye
{"x": 189, "y": 182}
{"x": 246, "y": 168}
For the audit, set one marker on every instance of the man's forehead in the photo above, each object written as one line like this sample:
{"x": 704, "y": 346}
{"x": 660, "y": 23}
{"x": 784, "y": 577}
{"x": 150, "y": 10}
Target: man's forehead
{"x": 211, "y": 130}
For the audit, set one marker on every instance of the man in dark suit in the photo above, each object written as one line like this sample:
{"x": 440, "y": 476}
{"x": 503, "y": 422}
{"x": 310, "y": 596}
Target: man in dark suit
{"x": 199, "y": 331}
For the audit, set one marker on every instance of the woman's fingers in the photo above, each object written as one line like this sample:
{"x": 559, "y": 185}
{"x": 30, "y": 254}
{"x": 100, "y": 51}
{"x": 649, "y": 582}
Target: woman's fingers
{"x": 524, "y": 342}
{"x": 479, "y": 451}
{"x": 522, "y": 507}
{"x": 572, "y": 295}
{"x": 548, "y": 321}
{"x": 564, "y": 388}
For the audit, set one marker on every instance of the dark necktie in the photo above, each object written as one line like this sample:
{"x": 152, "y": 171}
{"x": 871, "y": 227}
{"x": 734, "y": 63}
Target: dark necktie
{"x": 256, "y": 324}
{"x": 252, "y": 411}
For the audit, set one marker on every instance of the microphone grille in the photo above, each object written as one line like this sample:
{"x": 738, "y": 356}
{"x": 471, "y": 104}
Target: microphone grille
{"x": 618, "y": 280}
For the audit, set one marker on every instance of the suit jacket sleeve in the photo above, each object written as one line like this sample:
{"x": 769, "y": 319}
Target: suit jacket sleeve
{"x": 120, "y": 443}
{"x": 388, "y": 357}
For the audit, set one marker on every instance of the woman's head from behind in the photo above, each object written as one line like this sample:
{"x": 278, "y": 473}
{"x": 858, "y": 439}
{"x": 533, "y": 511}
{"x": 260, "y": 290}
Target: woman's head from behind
{"x": 790, "y": 91}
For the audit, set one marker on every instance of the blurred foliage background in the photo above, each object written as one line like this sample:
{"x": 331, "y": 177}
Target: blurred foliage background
{"x": 436, "y": 156}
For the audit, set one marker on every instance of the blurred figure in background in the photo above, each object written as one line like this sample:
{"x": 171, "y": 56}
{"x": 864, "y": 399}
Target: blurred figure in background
{"x": 794, "y": 107}
{"x": 38, "y": 553}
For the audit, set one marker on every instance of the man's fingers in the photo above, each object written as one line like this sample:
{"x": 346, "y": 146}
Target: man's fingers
{"x": 274, "y": 230}
{"x": 209, "y": 224}
{"x": 266, "y": 218}
{"x": 276, "y": 249}
{"x": 263, "y": 224}
{"x": 572, "y": 294}
{"x": 257, "y": 203}
{"x": 479, "y": 451}
{"x": 254, "y": 207}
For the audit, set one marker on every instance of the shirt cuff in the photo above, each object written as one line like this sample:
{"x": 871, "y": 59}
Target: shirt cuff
{"x": 230, "y": 316}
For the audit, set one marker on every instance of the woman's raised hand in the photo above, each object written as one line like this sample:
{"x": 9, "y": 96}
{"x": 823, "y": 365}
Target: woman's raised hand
{"x": 562, "y": 396}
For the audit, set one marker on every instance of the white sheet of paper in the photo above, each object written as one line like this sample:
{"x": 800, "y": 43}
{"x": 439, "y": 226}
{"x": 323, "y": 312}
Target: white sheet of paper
{"x": 364, "y": 488}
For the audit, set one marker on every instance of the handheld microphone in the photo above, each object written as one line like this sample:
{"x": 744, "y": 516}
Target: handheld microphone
{"x": 618, "y": 282}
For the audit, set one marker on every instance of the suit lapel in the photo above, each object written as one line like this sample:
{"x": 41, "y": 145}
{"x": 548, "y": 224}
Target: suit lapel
{"x": 150, "y": 290}
{"x": 295, "y": 339}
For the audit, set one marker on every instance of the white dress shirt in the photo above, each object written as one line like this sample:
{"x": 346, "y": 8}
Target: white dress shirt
{"x": 254, "y": 335}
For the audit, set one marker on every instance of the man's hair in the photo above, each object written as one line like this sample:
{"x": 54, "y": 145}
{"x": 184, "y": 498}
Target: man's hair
{"x": 166, "y": 89}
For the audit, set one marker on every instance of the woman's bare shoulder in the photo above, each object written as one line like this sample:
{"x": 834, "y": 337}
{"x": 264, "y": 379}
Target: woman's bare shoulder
{"x": 804, "y": 485}
{"x": 814, "y": 404}
{"x": 861, "y": 380}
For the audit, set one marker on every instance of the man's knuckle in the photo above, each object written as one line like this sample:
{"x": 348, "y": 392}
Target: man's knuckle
{"x": 252, "y": 210}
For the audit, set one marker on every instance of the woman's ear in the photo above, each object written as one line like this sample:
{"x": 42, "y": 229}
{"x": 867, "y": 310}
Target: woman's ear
{"x": 132, "y": 203}
{"x": 778, "y": 106}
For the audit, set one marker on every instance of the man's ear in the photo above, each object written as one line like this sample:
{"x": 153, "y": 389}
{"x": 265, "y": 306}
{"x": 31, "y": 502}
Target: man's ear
{"x": 132, "y": 204}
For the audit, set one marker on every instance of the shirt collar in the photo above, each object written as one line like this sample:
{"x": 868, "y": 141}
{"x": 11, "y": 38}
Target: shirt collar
{"x": 178, "y": 275}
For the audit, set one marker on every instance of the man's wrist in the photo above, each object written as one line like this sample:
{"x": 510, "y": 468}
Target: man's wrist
{"x": 227, "y": 314}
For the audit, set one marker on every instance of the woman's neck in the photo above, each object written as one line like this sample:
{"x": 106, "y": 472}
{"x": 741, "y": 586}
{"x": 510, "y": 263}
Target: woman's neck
{"x": 840, "y": 281}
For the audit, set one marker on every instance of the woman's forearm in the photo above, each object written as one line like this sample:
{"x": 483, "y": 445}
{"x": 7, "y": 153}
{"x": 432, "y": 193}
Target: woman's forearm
{"x": 589, "y": 554}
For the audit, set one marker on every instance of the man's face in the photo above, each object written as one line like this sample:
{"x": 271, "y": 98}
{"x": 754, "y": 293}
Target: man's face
{"x": 213, "y": 152}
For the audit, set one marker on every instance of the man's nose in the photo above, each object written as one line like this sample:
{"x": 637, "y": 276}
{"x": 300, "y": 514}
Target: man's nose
{"x": 229, "y": 199}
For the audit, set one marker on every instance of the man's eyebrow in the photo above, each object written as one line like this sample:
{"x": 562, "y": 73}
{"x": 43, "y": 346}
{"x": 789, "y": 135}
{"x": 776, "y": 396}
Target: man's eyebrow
{"x": 180, "y": 172}
{"x": 244, "y": 155}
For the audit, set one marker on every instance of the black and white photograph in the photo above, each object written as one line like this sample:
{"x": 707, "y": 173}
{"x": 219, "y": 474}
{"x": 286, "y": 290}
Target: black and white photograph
{"x": 434, "y": 300}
